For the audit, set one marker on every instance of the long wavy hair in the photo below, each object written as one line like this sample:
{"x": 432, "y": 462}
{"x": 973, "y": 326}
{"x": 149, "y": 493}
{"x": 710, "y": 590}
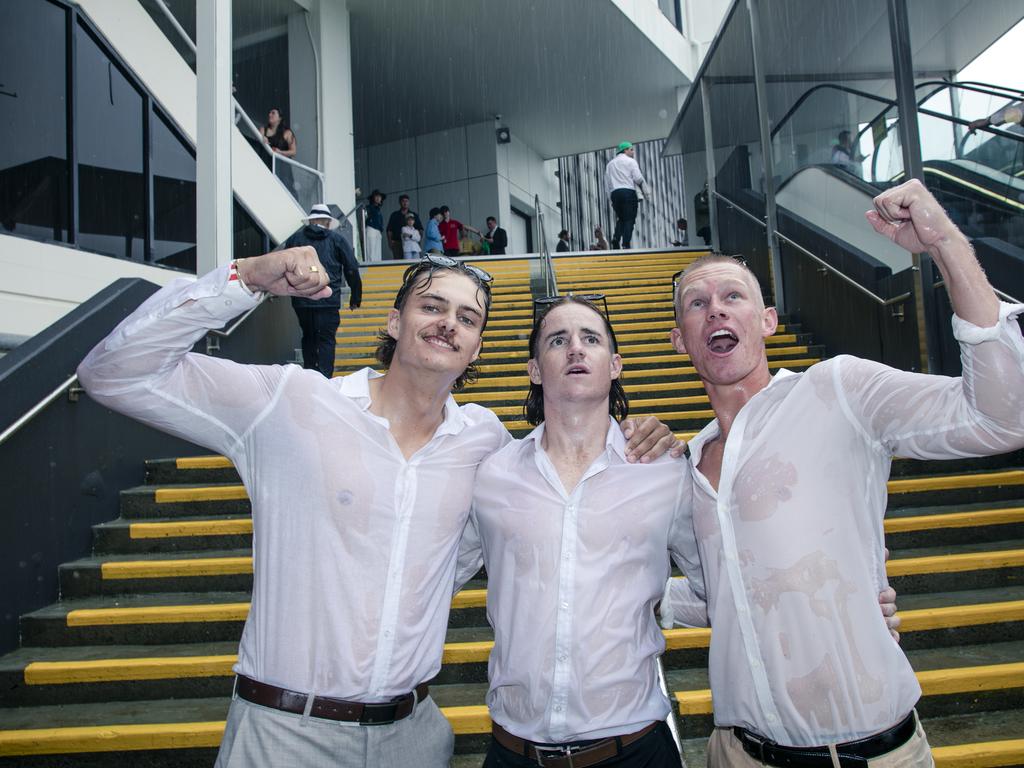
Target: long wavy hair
{"x": 533, "y": 408}
{"x": 386, "y": 344}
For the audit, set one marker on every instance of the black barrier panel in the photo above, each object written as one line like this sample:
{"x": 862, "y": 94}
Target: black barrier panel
{"x": 63, "y": 471}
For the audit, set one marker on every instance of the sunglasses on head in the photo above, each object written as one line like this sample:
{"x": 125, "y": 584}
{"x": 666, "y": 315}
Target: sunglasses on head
{"x": 431, "y": 262}
{"x": 591, "y": 298}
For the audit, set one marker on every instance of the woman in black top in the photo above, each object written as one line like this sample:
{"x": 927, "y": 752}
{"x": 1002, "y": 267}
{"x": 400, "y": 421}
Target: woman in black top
{"x": 279, "y": 137}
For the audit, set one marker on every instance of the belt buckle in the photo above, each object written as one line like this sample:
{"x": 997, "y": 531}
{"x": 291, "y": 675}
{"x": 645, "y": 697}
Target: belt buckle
{"x": 759, "y": 744}
{"x": 556, "y": 753}
{"x": 367, "y": 718}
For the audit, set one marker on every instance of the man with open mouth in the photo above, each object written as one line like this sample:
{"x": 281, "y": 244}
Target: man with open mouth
{"x": 789, "y": 494}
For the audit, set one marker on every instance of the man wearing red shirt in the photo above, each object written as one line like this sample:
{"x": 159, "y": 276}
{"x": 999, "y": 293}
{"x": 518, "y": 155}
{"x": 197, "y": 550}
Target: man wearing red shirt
{"x": 451, "y": 231}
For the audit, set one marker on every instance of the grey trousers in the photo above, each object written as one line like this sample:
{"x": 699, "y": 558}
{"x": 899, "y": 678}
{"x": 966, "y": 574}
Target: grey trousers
{"x": 258, "y": 737}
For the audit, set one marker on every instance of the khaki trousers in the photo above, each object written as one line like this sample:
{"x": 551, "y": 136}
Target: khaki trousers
{"x": 725, "y": 751}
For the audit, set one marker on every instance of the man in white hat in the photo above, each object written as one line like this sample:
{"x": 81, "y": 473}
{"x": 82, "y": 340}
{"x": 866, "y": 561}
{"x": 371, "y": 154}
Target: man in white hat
{"x": 319, "y": 318}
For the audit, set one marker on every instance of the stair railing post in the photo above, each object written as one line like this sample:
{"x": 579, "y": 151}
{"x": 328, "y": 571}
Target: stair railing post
{"x": 913, "y": 168}
{"x": 767, "y": 159}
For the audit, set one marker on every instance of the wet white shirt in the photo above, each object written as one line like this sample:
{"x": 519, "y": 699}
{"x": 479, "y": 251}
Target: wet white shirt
{"x": 572, "y": 581}
{"x": 792, "y": 543}
{"x": 354, "y": 546}
{"x": 622, "y": 172}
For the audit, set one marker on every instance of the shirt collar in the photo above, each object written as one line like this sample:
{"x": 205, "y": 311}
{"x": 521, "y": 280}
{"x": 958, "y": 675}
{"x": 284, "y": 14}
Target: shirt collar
{"x": 712, "y": 429}
{"x": 614, "y": 441}
{"x": 356, "y": 386}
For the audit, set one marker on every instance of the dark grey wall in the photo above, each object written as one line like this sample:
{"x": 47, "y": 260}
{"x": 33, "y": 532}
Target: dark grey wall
{"x": 62, "y": 473}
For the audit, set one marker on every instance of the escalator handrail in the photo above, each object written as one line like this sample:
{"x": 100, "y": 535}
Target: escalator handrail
{"x": 844, "y": 88}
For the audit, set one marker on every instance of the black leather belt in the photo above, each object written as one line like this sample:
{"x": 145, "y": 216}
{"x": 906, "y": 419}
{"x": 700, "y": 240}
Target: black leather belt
{"x": 852, "y": 754}
{"x": 566, "y": 756}
{"x": 385, "y": 713}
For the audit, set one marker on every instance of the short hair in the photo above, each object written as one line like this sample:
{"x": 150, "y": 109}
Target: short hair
{"x": 843, "y": 135}
{"x": 533, "y": 407}
{"x": 710, "y": 259}
{"x": 564, "y": 233}
{"x": 402, "y": 197}
{"x": 681, "y": 223}
{"x": 491, "y": 218}
{"x": 387, "y": 344}
{"x": 434, "y": 212}
{"x": 445, "y": 209}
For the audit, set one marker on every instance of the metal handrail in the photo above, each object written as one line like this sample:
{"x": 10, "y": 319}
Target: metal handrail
{"x": 878, "y": 299}
{"x": 35, "y": 409}
{"x": 238, "y": 107}
{"x": 550, "y": 282}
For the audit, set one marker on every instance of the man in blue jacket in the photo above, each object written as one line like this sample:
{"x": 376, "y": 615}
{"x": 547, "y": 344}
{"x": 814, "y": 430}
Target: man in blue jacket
{"x": 319, "y": 318}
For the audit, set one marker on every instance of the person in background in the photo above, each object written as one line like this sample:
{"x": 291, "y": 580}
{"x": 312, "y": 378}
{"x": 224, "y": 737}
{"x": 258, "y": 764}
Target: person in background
{"x": 319, "y": 318}
{"x": 395, "y": 223}
{"x": 600, "y": 241}
{"x": 622, "y": 179}
{"x": 432, "y": 242}
{"x": 451, "y": 232}
{"x": 410, "y": 239}
{"x": 846, "y": 156}
{"x": 563, "y": 242}
{"x": 682, "y": 237}
{"x": 495, "y": 237}
{"x": 281, "y": 140}
{"x": 1011, "y": 113}
{"x": 374, "y": 225}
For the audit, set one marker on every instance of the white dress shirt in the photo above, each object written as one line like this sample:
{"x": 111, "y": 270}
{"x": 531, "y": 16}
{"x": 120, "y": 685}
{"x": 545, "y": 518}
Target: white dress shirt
{"x": 792, "y": 542}
{"x": 572, "y": 580}
{"x": 354, "y": 546}
{"x": 622, "y": 172}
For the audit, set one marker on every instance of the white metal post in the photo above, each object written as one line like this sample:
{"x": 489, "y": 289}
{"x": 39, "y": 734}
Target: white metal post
{"x": 214, "y": 214}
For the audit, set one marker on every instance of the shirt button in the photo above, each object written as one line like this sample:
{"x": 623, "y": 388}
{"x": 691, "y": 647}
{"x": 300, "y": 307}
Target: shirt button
{"x": 387, "y": 633}
{"x": 563, "y": 657}
{"x": 227, "y": 302}
{"x": 565, "y": 605}
{"x": 558, "y": 708}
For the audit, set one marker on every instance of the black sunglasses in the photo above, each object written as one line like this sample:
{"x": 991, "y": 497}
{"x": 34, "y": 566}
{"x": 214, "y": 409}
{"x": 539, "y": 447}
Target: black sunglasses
{"x": 437, "y": 260}
{"x": 590, "y": 298}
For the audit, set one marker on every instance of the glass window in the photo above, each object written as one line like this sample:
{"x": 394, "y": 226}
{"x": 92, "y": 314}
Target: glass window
{"x": 249, "y": 238}
{"x": 174, "y": 197}
{"x": 109, "y": 142}
{"x": 33, "y": 127}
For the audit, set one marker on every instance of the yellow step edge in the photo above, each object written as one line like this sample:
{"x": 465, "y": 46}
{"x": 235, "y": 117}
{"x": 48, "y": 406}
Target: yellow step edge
{"x": 210, "y": 493}
{"x": 949, "y": 482}
{"x": 120, "y": 670}
{"x": 110, "y": 738}
{"x": 971, "y": 561}
{"x": 934, "y": 682}
{"x": 976, "y": 518}
{"x": 203, "y": 462}
{"x": 164, "y": 569}
{"x": 162, "y": 614}
{"x": 670, "y": 360}
{"x": 988, "y": 754}
{"x": 953, "y": 616}
{"x": 241, "y": 526}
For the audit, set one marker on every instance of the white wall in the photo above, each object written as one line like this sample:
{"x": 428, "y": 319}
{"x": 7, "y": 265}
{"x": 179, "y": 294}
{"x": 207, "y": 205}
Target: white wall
{"x": 43, "y": 282}
{"x": 467, "y": 170}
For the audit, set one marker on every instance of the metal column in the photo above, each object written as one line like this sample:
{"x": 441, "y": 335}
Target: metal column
{"x": 214, "y": 108}
{"x": 910, "y": 136}
{"x": 768, "y": 161}
{"x": 709, "y": 154}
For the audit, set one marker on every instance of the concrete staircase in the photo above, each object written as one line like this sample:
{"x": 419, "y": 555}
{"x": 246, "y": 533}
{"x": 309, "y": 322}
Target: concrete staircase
{"x": 134, "y": 663}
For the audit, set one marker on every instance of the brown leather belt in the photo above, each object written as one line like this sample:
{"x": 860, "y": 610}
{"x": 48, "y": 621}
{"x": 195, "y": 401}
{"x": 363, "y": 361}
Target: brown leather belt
{"x": 564, "y": 755}
{"x": 384, "y": 713}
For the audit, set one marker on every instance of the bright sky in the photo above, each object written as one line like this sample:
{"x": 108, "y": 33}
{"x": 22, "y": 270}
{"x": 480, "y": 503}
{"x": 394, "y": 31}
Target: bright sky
{"x": 999, "y": 65}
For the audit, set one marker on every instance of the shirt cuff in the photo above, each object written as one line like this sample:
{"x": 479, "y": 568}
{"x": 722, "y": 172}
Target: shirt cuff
{"x": 221, "y": 297}
{"x": 968, "y": 333}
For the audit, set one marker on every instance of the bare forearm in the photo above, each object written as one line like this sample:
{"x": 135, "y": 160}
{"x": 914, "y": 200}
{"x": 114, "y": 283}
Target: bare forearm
{"x": 969, "y": 290}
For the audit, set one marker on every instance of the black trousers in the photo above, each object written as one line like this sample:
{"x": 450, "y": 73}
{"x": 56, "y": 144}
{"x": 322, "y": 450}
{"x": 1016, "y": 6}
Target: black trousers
{"x": 624, "y": 203}
{"x": 655, "y": 750}
{"x": 319, "y": 327}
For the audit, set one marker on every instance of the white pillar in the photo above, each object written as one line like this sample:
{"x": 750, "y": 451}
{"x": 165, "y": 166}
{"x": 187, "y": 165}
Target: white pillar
{"x": 214, "y": 223}
{"x": 335, "y": 98}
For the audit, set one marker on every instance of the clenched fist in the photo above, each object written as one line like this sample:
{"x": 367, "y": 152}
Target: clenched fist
{"x": 288, "y": 272}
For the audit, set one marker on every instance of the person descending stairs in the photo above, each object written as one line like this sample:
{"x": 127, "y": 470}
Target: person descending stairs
{"x": 133, "y": 664}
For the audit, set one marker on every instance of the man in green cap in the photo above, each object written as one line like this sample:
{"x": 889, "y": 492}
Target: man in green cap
{"x": 622, "y": 178}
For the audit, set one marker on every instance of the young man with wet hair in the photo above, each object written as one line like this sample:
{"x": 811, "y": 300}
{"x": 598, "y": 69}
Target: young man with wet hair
{"x": 790, "y": 491}
{"x": 360, "y": 488}
{"x": 576, "y": 543}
